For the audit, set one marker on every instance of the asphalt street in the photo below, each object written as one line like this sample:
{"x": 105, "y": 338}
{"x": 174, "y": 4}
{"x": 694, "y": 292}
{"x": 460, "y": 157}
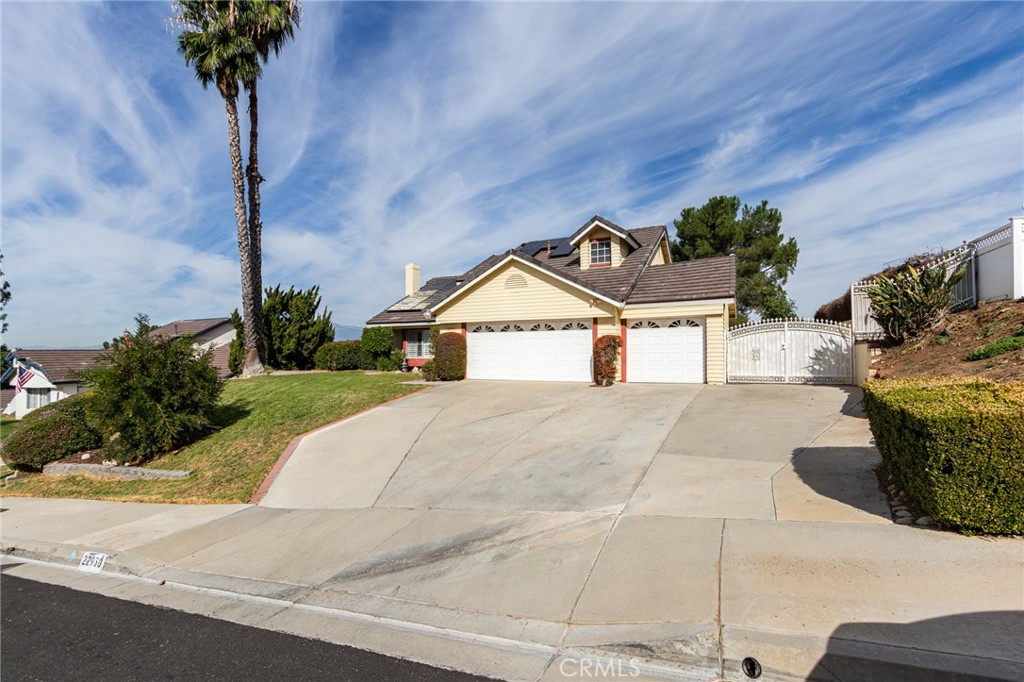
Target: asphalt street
{"x": 55, "y": 633}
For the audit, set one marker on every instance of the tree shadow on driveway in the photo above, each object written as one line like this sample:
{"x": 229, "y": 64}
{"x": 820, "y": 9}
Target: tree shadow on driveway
{"x": 830, "y": 484}
{"x": 983, "y": 645}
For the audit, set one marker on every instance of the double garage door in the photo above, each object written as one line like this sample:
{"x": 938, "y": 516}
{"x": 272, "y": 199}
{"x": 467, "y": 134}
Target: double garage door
{"x": 544, "y": 351}
{"x": 665, "y": 351}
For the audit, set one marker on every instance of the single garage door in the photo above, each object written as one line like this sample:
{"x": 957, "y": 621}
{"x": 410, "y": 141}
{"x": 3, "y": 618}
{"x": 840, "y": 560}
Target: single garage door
{"x": 665, "y": 351}
{"x": 537, "y": 351}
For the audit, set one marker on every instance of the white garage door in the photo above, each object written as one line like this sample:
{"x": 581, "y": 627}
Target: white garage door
{"x": 665, "y": 351}
{"x": 544, "y": 351}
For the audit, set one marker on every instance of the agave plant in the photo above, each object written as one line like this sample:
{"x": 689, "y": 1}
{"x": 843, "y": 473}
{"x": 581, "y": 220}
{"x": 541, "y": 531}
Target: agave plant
{"x": 914, "y": 301}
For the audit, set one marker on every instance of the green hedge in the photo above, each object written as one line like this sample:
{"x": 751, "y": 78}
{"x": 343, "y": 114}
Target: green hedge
{"x": 378, "y": 341}
{"x": 392, "y": 362}
{"x": 342, "y": 355}
{"x": 956, "y": 446}
{"x": 450, "y": 357}
{"x": 51, "y": 433}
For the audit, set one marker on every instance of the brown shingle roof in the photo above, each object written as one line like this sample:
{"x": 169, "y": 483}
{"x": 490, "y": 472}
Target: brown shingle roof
{"x": 687, "y": 281}
{"x": 193, "y": 327}
{"x": 61, "y": 365}
{"x": 612, "y": 282}
{"x": 631, "y": 281}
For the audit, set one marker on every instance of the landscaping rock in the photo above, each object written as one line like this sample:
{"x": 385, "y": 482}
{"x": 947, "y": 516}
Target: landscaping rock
{"x": 112, "y": 471}
{"x": 925, "y": 521}
{"x": 905, "y": 520}
{"x": 903, "y": 514}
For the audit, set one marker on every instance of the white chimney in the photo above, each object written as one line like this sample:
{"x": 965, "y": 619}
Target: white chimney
{"x": 412, "y": 279}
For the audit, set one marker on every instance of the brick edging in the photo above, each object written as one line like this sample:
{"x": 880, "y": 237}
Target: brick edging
{"x": 294, "y": 443}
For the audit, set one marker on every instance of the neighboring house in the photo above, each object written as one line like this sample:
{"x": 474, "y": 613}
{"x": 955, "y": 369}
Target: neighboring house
{"x": 41, "y": 377}
{"x": 51, "y": 375}
{"x": 534, "y": 312}
{"x": 213, "y": 333}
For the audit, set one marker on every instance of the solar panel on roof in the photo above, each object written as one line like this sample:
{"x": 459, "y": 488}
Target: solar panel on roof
{"x": 533, "y": 248}
{"x": 564, "y": 248}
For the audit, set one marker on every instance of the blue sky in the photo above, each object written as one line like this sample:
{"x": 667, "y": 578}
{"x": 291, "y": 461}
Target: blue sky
{"x": 442, "y": 133}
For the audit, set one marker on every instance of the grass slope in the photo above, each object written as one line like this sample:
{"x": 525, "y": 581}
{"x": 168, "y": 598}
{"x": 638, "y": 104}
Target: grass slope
{"x": 259, "y": 417}
{"x": 7, "y": 426}
{"x": 981, "y": 342}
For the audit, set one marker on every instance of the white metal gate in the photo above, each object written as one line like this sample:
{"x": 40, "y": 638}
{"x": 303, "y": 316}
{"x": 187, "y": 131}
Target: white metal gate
{"x": 791, "y": 351}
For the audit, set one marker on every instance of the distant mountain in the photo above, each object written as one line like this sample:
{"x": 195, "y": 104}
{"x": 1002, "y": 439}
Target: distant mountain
{"x": 344, "y": 332}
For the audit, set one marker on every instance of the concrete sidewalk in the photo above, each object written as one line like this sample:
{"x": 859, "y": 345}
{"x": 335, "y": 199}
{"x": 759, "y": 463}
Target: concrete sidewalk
{"x": 520, "y": 584}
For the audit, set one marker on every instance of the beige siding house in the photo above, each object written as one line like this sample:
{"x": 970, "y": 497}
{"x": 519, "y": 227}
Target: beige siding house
{"x": 534, "y": 312}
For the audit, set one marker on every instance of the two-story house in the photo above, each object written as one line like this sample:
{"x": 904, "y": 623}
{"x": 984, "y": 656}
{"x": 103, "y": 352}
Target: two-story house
{"x": 534, "y": 311}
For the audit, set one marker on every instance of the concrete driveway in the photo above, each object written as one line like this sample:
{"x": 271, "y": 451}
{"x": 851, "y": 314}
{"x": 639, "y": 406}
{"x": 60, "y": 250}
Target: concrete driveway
{"x": 754, "y": 452}
{"x": 517, "y": 530}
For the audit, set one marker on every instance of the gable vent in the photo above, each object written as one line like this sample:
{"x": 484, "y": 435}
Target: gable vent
{"x": 515, "y": 281}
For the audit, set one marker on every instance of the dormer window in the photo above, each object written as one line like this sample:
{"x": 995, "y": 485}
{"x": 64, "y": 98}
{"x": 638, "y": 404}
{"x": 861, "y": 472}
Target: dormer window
{"x": 601, "y": 251}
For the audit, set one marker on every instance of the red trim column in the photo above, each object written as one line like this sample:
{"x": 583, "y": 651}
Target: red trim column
{"x": 622, "y": 335}
{"x": 595, "y": 330}
{"x": 464, "y": 328}
{"x": 405, "y": 347}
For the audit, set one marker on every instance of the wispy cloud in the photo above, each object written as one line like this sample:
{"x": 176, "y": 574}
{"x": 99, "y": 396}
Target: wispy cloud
{"x": 440, "y": 133}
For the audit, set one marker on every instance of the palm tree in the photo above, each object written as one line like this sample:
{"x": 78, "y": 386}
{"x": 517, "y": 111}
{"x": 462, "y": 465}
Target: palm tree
{"x": 220, "y": 53}
{"x": 269, "y": 24}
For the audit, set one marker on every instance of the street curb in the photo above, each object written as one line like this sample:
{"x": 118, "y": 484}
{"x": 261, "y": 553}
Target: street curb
{"x": 264, "y": 487}
{"x": 67, "y": 555}
{"x": 154, "y": 575}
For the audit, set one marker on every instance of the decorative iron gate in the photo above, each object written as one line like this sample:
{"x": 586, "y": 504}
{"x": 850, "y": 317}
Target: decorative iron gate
{"x": 791, "y": 351}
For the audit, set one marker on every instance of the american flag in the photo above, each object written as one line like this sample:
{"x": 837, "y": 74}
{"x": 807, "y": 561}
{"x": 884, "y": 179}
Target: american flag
{"x": 23, "y": 378}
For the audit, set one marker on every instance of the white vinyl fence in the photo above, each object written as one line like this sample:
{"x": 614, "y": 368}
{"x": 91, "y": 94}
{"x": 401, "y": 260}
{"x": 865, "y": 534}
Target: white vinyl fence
{"x": 791, "y": 351}
{"x": 994, "y": 269}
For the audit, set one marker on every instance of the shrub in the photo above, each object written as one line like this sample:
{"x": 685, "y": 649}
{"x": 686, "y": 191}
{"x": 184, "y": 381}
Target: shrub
{"x": 450, "y": 357}
{"x": 340, "y": 355}
{"x": 837, "y": 310}
{"x": 432, "y": 334}
{"x": 390, "y": 363}
{"x": 294, "y": 329}
{"x": 990, "y": 350}
{"x": 606, "y": 358}
{"x": 51, "y": 433}
{"x": 378, "y": 341}
{"x": 910, "y": 303}
{"x": 153, "y": 394}
{"x": 429, "y": 373}
{"x": 954, "y": 445}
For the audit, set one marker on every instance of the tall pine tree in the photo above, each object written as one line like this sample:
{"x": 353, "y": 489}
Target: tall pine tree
{"x": 764, "y": 257}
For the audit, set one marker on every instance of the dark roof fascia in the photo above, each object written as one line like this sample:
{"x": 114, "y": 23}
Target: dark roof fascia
{"x": 427, "y": 322}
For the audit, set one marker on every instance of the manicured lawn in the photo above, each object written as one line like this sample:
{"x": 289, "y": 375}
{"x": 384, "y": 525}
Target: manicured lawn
{"x": 6, "y": 426}
{"x": 260, "y": 416}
